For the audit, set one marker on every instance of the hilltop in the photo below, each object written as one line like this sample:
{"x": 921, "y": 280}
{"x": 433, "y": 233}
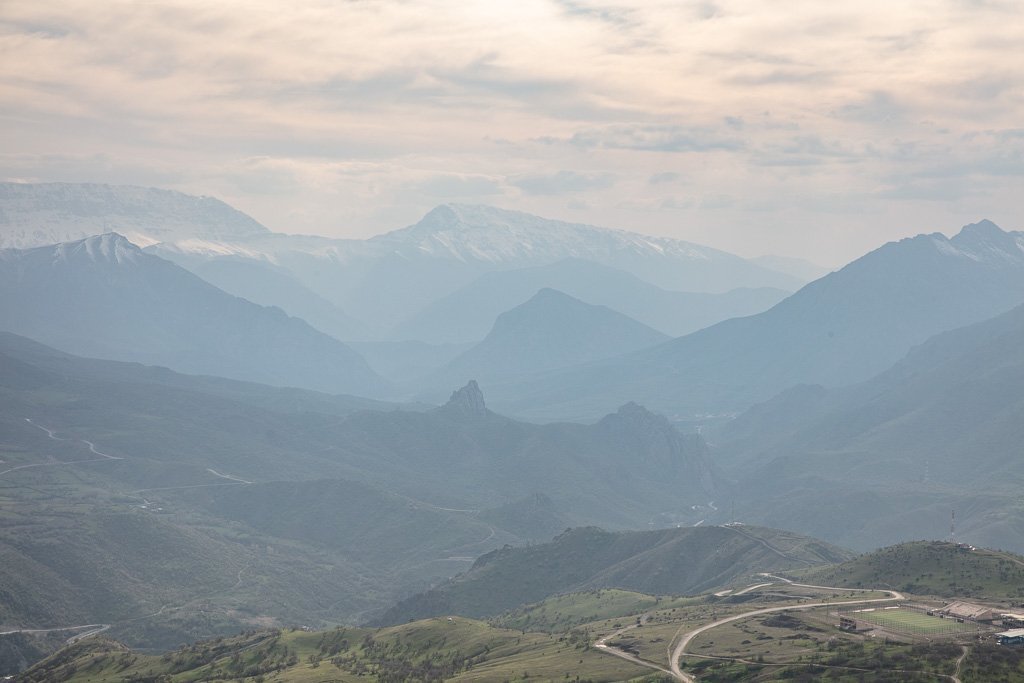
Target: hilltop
{"x": 936, "y": 568}
{"x": 551, "y": 330}
{"x": 666, "y": 562}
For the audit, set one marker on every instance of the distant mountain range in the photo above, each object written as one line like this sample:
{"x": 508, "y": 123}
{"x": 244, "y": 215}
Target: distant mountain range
{"x": 841, "y": 329}
{"x": 35, "y": 215}
{"x": 369, "y": 286}
{"x": 862, "y": 409}
{"x": 104, "y": 297}
{"x": 469, "y": 313}
{"x": 388, "y": 279}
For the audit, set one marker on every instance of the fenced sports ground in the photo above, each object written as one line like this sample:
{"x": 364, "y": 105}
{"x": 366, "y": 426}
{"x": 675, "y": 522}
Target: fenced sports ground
{"x": 909, "y": 621}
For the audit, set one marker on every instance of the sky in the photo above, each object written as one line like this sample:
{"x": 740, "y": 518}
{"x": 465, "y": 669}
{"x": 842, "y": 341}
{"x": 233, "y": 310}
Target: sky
{"x": 800, "y": 128}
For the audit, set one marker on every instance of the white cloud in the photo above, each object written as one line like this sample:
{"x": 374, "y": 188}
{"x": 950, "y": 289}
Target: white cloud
{"x": 364, "y": 113}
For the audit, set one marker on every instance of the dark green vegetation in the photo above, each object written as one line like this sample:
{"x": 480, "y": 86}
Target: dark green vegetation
{"x": 665, "y": 562}
{"x": 440, "y": 649}
{"x": 104, "y": 297}
{"x": 846, "y": 661}
{"x": 930, "y": 568}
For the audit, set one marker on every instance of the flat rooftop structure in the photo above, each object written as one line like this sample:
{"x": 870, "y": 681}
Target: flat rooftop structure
{"x": 1016, "y": 616}
{"x": 1012, "y": 633}
{"x": 968, "y": 610}
{"x": 1014, "y": 636}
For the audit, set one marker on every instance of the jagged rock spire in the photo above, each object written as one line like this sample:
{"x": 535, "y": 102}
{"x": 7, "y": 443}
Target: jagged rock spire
{"x": 468, "y": 401}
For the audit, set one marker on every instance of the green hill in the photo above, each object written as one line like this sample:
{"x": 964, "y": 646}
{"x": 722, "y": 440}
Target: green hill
{"x": 931, "y": 568}
{"x": 450, "y": 649}
{"x": 665, "y": 562}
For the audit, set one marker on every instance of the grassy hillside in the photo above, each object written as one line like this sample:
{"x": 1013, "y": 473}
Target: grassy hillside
{"x": 931, "y": 568}
{"x": 667, "y": 562}
{"x": 562, "y": 613}
{"x": 453, "y": 649}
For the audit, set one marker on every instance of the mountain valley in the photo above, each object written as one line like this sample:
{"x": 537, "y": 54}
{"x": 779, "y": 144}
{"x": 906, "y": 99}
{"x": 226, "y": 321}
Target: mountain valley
{"x": 578, "y": 434}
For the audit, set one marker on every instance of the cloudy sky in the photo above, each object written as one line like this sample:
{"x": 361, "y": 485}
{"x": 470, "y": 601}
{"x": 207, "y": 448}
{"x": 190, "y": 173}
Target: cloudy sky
{"x": 791, "y": 127}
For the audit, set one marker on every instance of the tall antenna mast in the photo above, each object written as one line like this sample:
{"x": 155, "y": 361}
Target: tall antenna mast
{"x": 952, "y": 526}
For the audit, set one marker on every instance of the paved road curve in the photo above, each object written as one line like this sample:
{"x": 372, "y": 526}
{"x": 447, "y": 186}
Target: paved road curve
{"x": 687, "y": 637}
{"x": 684, "y": 640}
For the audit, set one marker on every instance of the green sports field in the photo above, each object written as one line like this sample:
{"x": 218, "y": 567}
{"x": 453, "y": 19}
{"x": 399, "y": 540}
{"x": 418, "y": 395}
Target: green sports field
{"x": 911, "y": 621}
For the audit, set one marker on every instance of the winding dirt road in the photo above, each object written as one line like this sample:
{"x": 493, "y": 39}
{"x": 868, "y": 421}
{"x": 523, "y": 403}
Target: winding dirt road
{"x": 104, "y": 457}
{"x": 680, "y": 649}
{"x": 682, "y": 640}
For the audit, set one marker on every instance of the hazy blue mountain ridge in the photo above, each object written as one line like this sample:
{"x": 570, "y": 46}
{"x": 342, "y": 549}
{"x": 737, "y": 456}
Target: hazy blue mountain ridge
{"x": 104, "y": 297}
{"x": 269, "y": 285}
{"x": 469, "y": 313}
{"x": 551, "y": 330}
{"x": 940, "y": 429}
{"x": 363, "y": 289}
{"x": 840, "y": 329}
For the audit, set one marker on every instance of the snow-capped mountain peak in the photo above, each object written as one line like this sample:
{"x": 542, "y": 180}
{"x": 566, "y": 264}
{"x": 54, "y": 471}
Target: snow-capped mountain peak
{"x": 106, "y": 248}
{"x": 48, "y": 213}
{"x": 109, "y": 248}
{"x": 982, "y": 242}
{"x": 487, "y": 233}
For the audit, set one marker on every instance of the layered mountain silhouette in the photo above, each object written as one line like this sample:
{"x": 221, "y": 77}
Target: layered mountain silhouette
{"x": 551, "y": 330}
{"x": 103, "y": 297}
{"x": 364, "y": 501}
{"x": 630, "y": 465}
{"x": 841, "y": 329}
{"x": 376, "y": 284}
{"x": 269, "y": 285}
{"x": 943, "y": 427}
{"x": 469, "y": 313}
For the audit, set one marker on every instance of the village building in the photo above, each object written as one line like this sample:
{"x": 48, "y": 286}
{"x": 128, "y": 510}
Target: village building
{"x": 967, "y": 611}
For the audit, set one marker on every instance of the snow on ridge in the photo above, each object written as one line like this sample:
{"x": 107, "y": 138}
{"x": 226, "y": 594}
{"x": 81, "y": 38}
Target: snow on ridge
{"x": 109, "y": 247}
{"x": 48, "y": 213}
{"x": 488, "y": 233}
{"x": 215, "y": 248}
{"x": 944, "y": 246}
